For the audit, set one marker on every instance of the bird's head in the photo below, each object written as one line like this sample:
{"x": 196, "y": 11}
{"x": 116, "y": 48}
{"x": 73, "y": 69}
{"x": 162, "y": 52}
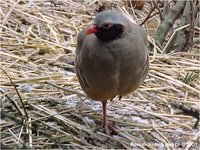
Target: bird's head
{"x": 108, "y": 25}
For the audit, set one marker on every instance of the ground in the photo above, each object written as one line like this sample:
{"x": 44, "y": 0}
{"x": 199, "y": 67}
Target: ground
{"x": 38, "y": 42}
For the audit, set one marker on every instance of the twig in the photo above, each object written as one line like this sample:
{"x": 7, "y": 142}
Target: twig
{"x": 161, "y": 117}
{"x": 187, "y": 111}
{"x": 13, "y": 102}
{"x": 13, "y": 56}
{"x": 66, "y": 89}
{"x": 15, "y": 136}
{"x": 174, "y": 81}
{"x": 17, "y": 93}
{"x": 148, "y": 16}
{"x": 170, "y": 41}
{"x": 8, "y": 14}
{"x": 29, "y": 132}
{"x": 49, "y": 42}
{"x": 157, "y": 7}
{"x": 191, "y": 142}
{"x": 165, "y": 140}
{"x": 34, "y": 79}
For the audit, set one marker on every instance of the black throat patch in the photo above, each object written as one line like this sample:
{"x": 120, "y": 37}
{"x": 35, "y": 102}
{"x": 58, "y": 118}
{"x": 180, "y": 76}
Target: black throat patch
{"x": 111, "y": 33}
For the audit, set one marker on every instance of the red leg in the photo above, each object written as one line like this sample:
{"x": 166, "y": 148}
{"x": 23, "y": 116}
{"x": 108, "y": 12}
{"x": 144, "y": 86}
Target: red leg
{"x": 105, "y": 122}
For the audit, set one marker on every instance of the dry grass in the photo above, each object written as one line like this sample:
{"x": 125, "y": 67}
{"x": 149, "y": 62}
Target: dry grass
{"x": 38, "y": 41}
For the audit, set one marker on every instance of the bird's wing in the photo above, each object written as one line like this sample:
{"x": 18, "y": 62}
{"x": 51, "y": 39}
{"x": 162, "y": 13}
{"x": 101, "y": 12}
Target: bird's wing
{"x": 80, "y": 39}
{"x": 133, "y": 59}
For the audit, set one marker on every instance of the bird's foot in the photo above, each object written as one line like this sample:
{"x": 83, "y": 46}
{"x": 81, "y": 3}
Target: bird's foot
{"x": 108, "y": 128}
{"x": 120, "y": 97}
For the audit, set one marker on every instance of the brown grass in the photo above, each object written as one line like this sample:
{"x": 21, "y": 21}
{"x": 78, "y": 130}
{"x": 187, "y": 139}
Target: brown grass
{"x": 38, "y": 42}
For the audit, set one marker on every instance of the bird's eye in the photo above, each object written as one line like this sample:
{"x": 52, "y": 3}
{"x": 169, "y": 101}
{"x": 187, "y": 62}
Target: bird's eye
{"x": 106, "y": 26}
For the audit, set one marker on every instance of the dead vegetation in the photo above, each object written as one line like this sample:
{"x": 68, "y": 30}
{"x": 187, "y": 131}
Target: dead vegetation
{"x": 43, "y": 106}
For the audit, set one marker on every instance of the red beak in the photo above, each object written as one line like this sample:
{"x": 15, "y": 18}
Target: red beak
{"x": 92, "y": 29}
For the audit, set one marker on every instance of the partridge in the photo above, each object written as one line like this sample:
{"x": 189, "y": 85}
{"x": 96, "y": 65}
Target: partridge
{"x": 111, "y": 58}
